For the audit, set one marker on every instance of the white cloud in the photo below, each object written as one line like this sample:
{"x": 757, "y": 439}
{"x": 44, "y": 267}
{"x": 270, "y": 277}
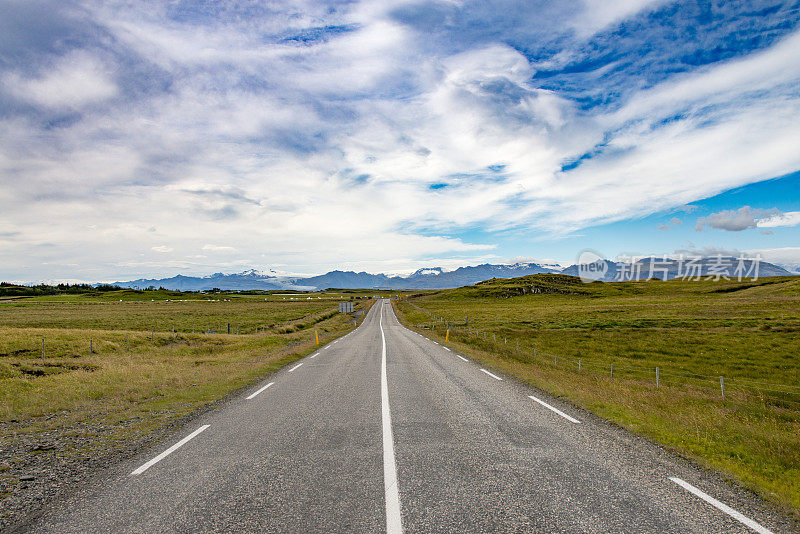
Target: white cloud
{"x": 218, "y": 248}
{"x": 789, "y": 218}
{"x": 598, "y": 14}
{"x": 321, "y": 153}
{"x": 75, "y": 80}
{"x": 736, "y": 220}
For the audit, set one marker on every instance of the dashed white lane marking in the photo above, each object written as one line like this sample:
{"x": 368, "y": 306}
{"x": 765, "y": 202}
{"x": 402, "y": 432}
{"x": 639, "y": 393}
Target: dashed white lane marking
{"x": 725, "y": 508}
{"x": 556, "y": 410}
{"x": 259, "y": 391}
{"x": 448, "y": 350}
{"x": 394, "y": 521}
{"x": 314, "y": 355}
{"x": 144, "y": 467}
{"x": 463, "y": 358}
{"x": 296, "y": 366}
{"x": 490, "y": 374}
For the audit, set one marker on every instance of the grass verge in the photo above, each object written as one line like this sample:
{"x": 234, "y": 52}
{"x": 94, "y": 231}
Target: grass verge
{"x": 694, "y": 333}
{"x": 73, "y": 407}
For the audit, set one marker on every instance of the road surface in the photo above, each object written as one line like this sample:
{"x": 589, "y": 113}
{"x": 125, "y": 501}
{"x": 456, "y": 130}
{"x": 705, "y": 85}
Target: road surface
{"x": 387, "y": 431}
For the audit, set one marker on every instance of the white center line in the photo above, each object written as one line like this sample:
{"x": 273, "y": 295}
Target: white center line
{"x": 296, "y": 366}
{"x": 725, "y": 508}
{"x": 490, "y": 374}
{"x": 260, "y": 390}
{"x": 463, "y": 358}
{"x": 144, "y": 467}
{"x": 394, "y": 521}
{"x": 556, "y": 410}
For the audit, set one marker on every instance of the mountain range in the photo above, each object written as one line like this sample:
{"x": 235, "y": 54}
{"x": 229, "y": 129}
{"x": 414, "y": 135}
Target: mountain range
{"x": 438, "y": 278}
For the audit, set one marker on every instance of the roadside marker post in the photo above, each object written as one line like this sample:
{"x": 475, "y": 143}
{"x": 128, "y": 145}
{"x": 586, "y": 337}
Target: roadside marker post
{"x": 316, "y": 334}
{"x": 447, "y": 336}
{"x": 722, "y": 385}
{"x": 612, "y": 369}
{"x": 658, "y": 382}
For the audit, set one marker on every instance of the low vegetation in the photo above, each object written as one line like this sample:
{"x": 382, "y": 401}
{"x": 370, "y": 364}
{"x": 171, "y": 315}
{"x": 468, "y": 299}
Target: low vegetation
{"x": 598, "y": 345}
{"x": 84, "y": 377}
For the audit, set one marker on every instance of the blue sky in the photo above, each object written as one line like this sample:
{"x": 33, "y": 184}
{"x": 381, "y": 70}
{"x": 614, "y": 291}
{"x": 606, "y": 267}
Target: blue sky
{"x": 155, "y": 138}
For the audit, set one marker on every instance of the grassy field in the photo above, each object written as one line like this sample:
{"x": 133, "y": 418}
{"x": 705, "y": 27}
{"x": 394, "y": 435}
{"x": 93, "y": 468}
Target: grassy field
{"x": 564, "y": 336}
{"x": 139, "y": 376}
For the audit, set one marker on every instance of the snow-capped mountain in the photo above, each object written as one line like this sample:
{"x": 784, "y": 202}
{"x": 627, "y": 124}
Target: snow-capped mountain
{"x": 426, "y": 278}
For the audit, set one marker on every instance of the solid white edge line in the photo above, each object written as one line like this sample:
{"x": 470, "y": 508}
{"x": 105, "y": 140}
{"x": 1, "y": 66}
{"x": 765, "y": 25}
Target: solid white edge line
{"x": 144, "y": 467}
{"x": 556, "y": 410}
{"x": 490, "y": 374}
{"x": 394, "y": 520}
{"x": 725, "y": 508}
{"x": 296, "y": 366}
{"x": 448, "y": 350}
{"x": 314, "y": 355}
{"x": 259, "y": 391}
{"x": 463, "y": 358}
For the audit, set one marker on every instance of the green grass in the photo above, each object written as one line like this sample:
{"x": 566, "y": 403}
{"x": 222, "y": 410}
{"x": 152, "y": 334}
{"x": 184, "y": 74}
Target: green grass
{"x": 692, "y": 331}
{"x": 135, "y": 382}
{"x": 185, "y": 315}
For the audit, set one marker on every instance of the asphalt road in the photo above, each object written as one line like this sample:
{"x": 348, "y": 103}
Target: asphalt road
{"x": 385, "y": 430}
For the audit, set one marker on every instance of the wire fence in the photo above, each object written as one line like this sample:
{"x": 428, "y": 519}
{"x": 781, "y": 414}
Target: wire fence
{"x": 657, "y": 376}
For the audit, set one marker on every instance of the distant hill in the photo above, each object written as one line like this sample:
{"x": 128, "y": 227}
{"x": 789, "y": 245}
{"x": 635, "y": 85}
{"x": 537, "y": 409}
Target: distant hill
{"x": 251, "y": 279}
{"x": 655, "y": 267}
{"x": 428, "y": 278}
{"x": 434, "y": 277}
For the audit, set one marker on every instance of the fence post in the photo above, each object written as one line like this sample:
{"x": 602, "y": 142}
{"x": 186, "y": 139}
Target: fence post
{"x": 658, "y": 384}
{"x": 91, "y": 350}
{"x": 722, "y": 385}
{"x": 229, "y": 328}
{"x": 579, "y": 366}
{"x": 128, "y": 341}
{"x": 152, "y": 335}
{"x": 555, "y": 360}
{"x": 612, "y": 369}
{"x": 518, "y": 345}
